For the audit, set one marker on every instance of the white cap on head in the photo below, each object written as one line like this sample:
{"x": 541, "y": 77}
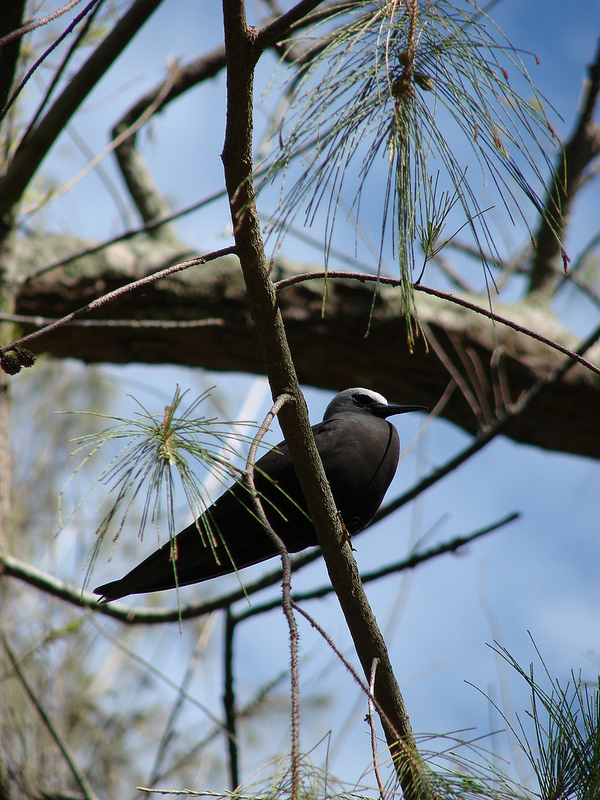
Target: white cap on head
{"x": 353, "y": 399}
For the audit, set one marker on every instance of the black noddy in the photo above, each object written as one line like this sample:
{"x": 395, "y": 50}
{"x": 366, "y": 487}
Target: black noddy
{"x": 359, "y": 449}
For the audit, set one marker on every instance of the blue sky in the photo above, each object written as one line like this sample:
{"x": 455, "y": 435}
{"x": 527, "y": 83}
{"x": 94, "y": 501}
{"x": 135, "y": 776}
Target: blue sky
{"x": 538, "y": 575}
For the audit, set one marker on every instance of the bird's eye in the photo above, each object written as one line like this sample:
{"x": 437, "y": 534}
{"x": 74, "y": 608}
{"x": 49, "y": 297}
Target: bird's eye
{"x": 362, "y": 399}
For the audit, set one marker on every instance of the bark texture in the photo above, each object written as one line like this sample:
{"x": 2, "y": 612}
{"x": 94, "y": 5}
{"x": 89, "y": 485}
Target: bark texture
{"x": 331, "y": 349}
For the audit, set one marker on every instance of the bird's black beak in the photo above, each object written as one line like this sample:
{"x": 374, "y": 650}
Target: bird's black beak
{"x": 391, "y": 408}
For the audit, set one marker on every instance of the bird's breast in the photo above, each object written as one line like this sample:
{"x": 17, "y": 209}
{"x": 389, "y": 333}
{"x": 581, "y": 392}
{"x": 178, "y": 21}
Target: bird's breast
{"x": 360, "y": 468}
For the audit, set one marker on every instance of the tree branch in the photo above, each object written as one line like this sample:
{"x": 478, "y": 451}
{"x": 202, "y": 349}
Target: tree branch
{"x": 280, "y": 27}
{"x": 565, "y": 418}
{"x": 14, "y": 567}
{"x": 141, "y": 186}
{"x": 582, "y": 147}
{"x": 99, "y": 302}
{"x": 369, "y": 643}
{"x": 410, "y": 562}
{"x": 229, "y": 700}
{"x": 286, "y": 584}
{"x": 30, "y": 153}
{"x": 11, "y": 20}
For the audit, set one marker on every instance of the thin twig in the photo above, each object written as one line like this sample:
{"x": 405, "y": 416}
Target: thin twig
{"x": 314, "y": 624}
{"x": 103, "y": 175}
{"x": 79, "y": 777}
{"x": 31, "y": 26}
{"x": 296, "y": 17}
{"x": 110, "y": 147}
{"x": 408, "y": 764}
{"x": 286, "y": 584}
{"x": 81, "y": 38}
{"x": 454, "y": 373}
{"x": 141, "y": 324}
{"x": 487, "y": 434}
{"x": 9, "y": 565}
{"x": 474, "y": 370}
{"x": 363, "y": 686}
{"x": 500, "y": 387}
{"x": 371, "y": 721}
{"x": 69, "y": 29}
{"x": 116, "y": 293}
{"x": 459, "y": 301}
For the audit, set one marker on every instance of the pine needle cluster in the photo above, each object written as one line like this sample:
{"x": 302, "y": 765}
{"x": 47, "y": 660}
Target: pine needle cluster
{"x": 402, "y": 82}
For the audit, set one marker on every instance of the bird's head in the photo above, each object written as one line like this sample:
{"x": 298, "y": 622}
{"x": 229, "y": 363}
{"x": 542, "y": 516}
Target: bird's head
{"x": 365, "y": 401}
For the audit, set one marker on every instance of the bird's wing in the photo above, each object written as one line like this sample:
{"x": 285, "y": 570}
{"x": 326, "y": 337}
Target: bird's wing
{"x": 359, "y": 463}
{"x": 228, "y": 536}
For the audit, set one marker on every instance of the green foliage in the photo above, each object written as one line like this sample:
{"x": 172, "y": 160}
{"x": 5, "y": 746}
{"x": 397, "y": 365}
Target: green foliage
{"x": 564, "y": 749}
{"x": 156, "y": 451}
{"x": 397, "y": 81}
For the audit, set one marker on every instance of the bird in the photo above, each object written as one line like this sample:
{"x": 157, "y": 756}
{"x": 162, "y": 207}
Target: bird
{"x": 359, "y": 449}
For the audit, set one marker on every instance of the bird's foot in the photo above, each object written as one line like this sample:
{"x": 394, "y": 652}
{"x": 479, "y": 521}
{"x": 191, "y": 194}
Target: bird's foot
{"x": 345, "y": 531}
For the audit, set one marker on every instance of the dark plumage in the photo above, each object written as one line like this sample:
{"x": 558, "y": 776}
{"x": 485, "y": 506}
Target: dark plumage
{"x": 359, "y": 449}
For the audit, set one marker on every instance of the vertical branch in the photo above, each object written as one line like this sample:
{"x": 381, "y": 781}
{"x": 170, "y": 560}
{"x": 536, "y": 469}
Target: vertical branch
{"x": 11, "y": 19}
{"x": 229, "y": 701}
{"x": 5, "y": 460}
{"x": 241, "y": 56}
{"x": 371, "y": 718}
{"x": 242, "y": 53}
{"x": 8, "y": 299}
{"x": 286, "y": 588}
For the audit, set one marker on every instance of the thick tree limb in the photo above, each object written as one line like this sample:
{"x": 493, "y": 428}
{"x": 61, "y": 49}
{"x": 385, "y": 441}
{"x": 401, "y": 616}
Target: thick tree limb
{"x": 330, "y": 351}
